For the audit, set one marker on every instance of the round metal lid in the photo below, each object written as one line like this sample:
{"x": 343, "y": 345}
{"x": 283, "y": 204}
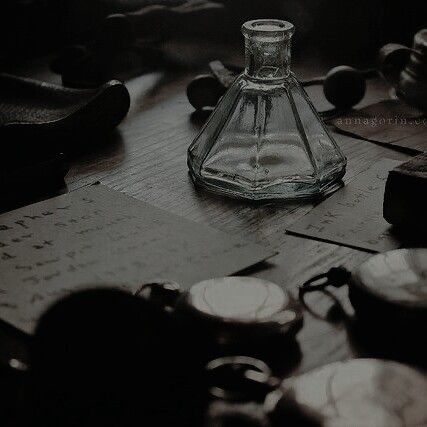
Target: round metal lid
{"x": 356, "y": 393}
{"x": 398, "y": 277}
{"x": 240, "y": 299}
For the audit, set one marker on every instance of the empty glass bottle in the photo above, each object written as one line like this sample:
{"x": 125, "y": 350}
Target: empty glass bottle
{"x": 265, "y": 140}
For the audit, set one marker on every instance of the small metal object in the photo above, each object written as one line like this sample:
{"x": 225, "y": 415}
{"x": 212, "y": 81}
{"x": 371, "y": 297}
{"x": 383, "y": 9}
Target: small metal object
{"x": 229, "y": 378}
{"x": 231, "y": 310}
{"x": 336, "y": 277}
{"x": 392, "y": 59}
{"x": 412, "y": 85}
{"x": 388, "y": 291}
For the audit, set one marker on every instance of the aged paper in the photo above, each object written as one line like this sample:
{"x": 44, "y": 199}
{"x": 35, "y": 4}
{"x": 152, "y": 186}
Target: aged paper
{"x": 353, "y": 216}
{"x": 97, "y": 236}
{"x": 388, "y": 122}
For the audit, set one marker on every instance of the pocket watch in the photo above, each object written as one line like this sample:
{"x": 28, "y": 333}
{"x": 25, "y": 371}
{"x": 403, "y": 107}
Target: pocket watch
{"x": 230, "y": 311}
{"x": 389, "y": 289}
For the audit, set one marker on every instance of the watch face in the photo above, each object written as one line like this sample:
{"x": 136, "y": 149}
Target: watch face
{"x": 356, "y": 393}
{"x": 398, "y": 277}
{"x": 240, "y": 299}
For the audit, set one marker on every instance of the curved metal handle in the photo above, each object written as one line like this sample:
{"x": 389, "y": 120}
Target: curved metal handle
{"x": 239, "y": 378}
{"x": 335, "y": 277}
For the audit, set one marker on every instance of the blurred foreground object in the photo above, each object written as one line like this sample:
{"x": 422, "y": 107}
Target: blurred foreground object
{"x": 404, "y": 200}
{"x": 356, "y": 393}
{"x": 104, "y": 357}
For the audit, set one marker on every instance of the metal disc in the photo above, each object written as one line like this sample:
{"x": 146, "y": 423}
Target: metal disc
{"x": 240, "y": 299}
{"x": 356, "y": 393}
{"x": 397, "y": 277}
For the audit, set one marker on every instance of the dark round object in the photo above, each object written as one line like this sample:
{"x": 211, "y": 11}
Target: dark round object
{"x": 101, "y": 330}
{"x": 119, "y": 355}
{"x": 204, "y": 91}
{"x": 344, "y": 86}
{"x": 116, "y": 33}
{"x": 69, "y": 58}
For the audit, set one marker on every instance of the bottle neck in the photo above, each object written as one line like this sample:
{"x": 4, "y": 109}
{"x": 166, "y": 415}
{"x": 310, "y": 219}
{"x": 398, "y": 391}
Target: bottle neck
{"x": 268, "y": 60}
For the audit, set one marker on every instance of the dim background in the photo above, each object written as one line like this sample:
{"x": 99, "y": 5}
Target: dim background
{"x": 347, "y": 30}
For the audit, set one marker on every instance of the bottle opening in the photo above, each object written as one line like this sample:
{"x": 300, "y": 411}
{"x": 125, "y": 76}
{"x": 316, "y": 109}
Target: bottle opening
{"x": 268, "y": 49}
{"x": 268, "y": 28}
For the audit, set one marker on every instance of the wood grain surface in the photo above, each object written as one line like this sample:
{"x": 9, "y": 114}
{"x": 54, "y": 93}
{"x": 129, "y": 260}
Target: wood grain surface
{"x": 146, "y": 158}
{"x": 148, "y": 161}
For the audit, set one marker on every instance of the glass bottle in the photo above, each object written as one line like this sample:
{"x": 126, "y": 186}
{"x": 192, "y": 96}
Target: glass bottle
{"x": 265, "y": 140}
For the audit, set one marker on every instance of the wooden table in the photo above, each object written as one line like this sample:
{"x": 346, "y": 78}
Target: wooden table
{"x": 146, "y": 158}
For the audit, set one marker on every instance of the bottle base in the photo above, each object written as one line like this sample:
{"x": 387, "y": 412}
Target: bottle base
{"x": 285, "y": 191}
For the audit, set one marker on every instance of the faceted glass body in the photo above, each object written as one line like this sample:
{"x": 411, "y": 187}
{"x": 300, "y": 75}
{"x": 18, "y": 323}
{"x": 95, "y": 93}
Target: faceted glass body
{"x": 265, "y": 140}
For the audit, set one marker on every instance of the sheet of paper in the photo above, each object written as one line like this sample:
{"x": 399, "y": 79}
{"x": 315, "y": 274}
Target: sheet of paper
{"x": 388, "y": 122}
{"x": 97, "y": 236}
{"x": 353, "y": 216}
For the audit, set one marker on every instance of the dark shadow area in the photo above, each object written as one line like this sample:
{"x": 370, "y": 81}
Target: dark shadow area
{"x": 199, "y": 117}
{"x": 411, "y": 236}
{"x": 103, "y": 357}
{"x": 31, "y": 180}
